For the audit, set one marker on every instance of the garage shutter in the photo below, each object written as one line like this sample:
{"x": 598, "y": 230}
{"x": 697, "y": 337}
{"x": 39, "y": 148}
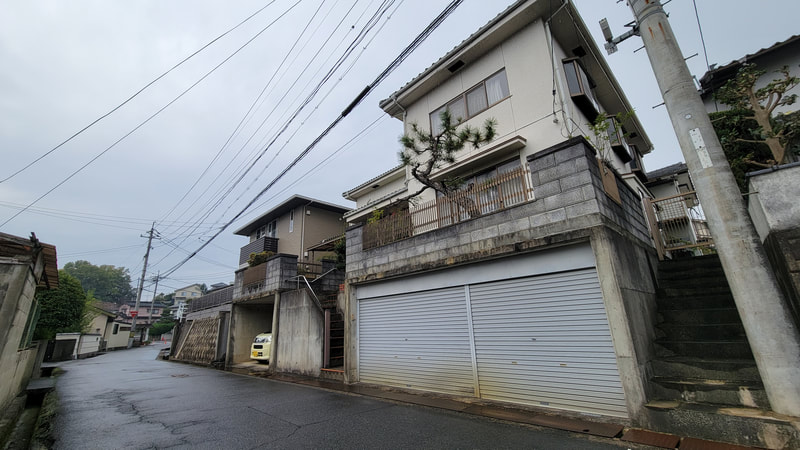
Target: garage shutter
{"x": 417, "y": 340}
{"x": 545, "y": 341}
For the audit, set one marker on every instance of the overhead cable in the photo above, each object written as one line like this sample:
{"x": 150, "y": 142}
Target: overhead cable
{"x": 135, "y": 94}
{"x": 389, "y": 69}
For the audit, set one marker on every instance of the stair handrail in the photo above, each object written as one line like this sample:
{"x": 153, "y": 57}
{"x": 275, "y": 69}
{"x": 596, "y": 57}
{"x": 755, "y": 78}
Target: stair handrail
{"x": 316, "y": 299}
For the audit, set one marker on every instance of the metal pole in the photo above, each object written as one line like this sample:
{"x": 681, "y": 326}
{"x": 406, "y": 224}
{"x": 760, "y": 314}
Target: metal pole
{"x": 141, "y": 286}
{"x": 771, "y": 332}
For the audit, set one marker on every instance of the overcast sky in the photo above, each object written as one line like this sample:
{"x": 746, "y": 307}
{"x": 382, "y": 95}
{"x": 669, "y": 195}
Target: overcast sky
{"x": 64, "y": 64}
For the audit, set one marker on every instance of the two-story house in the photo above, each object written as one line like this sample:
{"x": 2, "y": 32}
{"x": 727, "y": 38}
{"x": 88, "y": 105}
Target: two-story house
{"x": 533, "y": 287}
{"x": 283, "y": 253}
{"x": 181, "y": 297}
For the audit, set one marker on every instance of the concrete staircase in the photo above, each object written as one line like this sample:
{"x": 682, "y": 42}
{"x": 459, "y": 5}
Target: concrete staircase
{"x": 703, "y": 354}
{"x": 705, "y": 382}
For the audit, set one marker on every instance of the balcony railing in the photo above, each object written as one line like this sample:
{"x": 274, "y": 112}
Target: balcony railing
{"x": 262, "y": 244}
{"x": 212, "y": 299}
{"x": 677, "y": 224}
{"x": 474, "y": 200}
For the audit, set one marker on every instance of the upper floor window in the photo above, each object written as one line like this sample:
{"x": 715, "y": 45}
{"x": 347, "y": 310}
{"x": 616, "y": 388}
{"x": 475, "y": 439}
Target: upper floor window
{"x": 267, "y": 230}
{"x": 580, "y": 88}
{"x": 291, "y": 221}
{"x": 476, "y": 100}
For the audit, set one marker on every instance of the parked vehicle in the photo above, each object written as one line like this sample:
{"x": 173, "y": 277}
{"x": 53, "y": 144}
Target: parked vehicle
{"x": 260, "y": 348}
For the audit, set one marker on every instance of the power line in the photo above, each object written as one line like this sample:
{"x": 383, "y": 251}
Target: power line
{"x": 150, "y": 117}
{"x": 245, "y": 168}
{"x": 359, "y": 38}
{"x": 389, "y": 69}
{"x": 135, "y": 94}
{"x": 702, "y": 39}
{"x": 242, "y": 121}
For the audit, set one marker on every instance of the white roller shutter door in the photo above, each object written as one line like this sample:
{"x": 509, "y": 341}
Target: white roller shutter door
{"x": 545, "y": 341}
{"x": 417, "y": 340}
{"x": 539, "y": 339}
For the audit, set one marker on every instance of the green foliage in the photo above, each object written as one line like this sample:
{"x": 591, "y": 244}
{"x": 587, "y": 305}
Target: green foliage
{"x": 63, "y": 309}
{"x": 600, "y": 132}
{"x": 106, "y": 283}
{"x": 741, "y": 94}
{"x": 164, "y": 324}
{"x": 376, "y": 216}
{"x": 259, "y": 258}
{"x": 739, "y": 135}
{"x": 425, "y": 152}
{"x": 340, "y": 250}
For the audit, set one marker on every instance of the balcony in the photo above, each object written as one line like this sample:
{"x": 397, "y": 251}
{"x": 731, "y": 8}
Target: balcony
{"x": 474, "y": 200}
{"x": 263, "y": 244}
{"x": 678, "y": 225}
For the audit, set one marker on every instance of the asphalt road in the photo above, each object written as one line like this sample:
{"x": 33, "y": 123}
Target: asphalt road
{"x": 128, "y": 399}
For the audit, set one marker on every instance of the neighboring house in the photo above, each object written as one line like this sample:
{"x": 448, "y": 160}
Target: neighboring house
{"x": 25, "y": 264}
{"x": 113, "y": 332}
{"x": 770, "y": 59}
{"x": 771, "y": 190}
{"x": 677, "y": 215}
{"x": 295, "y": 237}
{"x": 533, "y": 287}
{"x": 182, "y": 297}
{"x": 147, "y": 313}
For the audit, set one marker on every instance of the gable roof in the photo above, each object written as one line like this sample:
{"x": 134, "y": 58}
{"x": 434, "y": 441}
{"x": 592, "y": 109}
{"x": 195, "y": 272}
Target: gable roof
{"x": 567, "y": 28}
{"x": 716, "y": 77}
{"x": 15, "y": 246}
{"x": 391, "y": 174}
{"x": 288, "y": 205}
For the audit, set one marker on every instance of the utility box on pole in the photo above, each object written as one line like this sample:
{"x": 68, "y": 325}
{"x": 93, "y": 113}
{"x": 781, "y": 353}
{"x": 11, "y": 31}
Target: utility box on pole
{"x": 767, "y": 320}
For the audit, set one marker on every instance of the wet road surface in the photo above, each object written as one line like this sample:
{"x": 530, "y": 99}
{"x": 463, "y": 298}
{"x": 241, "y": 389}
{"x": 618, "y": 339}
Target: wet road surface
{"x": 128, "y": 399}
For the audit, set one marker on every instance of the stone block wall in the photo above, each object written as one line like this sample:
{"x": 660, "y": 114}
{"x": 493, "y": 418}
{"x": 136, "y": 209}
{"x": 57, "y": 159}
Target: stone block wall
{"x": 569, "y": 203}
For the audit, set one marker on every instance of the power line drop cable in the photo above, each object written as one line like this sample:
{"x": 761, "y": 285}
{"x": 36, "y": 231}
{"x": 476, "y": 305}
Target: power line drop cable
{"x": 150, "y": 117}
{"x": 135, "y": 94}
{"x": 389, "y": 69}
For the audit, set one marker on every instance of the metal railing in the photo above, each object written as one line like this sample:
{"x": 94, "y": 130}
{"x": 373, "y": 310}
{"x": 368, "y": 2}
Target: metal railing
{"x": 678, "y": 224}
{"x": 474, "y": 200}
{"x": 212, "y": 299}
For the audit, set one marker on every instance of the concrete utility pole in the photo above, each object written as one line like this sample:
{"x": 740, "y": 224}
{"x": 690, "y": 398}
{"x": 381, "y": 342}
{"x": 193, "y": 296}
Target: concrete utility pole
{"x": 141, "y": 286}
{"x": 773, "y": 337}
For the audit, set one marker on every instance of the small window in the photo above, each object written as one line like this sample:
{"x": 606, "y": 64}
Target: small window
{"x": 291, "y": 221}
{"x": 115, "y": 330}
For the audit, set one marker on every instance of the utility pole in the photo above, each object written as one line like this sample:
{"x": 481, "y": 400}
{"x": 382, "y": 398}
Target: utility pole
{"x": 153, "y": 303}
{"x": 762, "y": 307}
{"x": 141, "y": 285}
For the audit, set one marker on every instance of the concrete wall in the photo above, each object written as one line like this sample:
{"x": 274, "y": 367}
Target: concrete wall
{"x": 773, "y": 206}
{"x": 18, "y": 279}
{"x": 247, "y": 321}
{"x": 301, "y": 338}
{"x": 570, "y": 207}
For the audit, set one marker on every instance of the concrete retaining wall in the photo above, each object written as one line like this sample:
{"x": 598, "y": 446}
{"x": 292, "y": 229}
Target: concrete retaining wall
{"x": 773, "y": 206}
{"x": 301, "y": 338}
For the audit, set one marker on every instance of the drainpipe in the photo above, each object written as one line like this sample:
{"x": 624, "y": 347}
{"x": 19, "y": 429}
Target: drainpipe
{"x": 303, "y": 231}
{"x": 565, "y": 114}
